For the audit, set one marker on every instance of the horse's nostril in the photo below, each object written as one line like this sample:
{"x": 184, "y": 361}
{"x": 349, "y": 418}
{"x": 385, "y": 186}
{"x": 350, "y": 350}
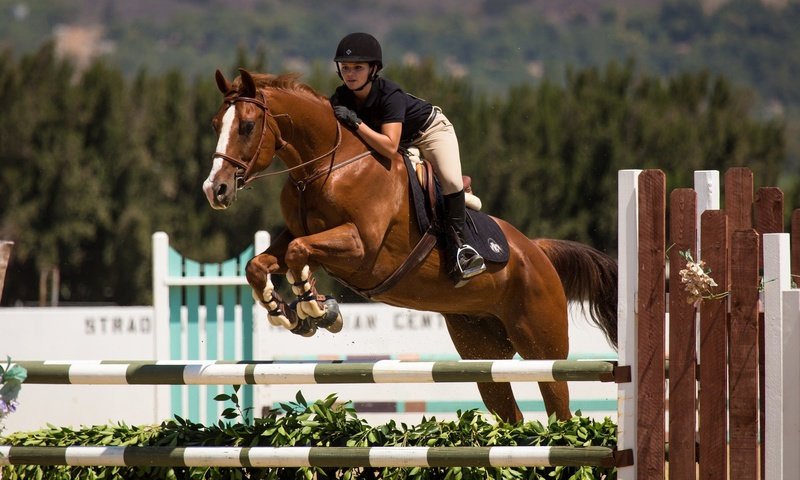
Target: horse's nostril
{"x": 221, "y": 189}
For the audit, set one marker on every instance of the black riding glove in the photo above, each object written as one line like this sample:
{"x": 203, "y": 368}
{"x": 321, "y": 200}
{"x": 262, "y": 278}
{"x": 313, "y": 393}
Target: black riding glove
{"x": 347, "y": 116}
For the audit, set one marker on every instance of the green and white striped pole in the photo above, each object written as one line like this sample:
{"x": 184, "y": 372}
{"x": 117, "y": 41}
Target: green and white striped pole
{"x": 104, "y": 372}
{"x": 294, "y": 457}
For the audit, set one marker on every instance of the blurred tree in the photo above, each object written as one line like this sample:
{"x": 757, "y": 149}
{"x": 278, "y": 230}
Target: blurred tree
{"x": 562, "y": 146}
{"x": 48, "y": 171}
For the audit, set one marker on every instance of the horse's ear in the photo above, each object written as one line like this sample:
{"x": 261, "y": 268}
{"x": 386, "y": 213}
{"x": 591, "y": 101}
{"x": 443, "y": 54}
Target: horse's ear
{"x": 248, "y": 84}
{"x": 222, "y": 83}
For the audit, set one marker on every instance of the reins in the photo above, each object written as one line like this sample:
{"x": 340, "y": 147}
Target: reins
{"x": 301, "y": 184}
{"x": 304, "y": 164}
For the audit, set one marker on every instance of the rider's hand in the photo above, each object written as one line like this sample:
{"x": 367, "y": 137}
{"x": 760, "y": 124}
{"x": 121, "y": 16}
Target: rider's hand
{"x": 347, "y": 116}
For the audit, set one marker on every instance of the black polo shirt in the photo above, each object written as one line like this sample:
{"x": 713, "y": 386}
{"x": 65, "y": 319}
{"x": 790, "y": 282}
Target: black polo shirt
{"x": 387, "y": 103}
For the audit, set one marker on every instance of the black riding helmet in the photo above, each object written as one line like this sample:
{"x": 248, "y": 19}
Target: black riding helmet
{"x": 360, "y": 47}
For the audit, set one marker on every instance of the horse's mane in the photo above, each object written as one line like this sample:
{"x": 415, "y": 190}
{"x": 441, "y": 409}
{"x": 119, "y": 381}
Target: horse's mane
{"x": 284, "y": 81}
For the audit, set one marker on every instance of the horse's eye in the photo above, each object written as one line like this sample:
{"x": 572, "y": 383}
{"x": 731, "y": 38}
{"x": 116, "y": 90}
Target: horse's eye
{"x": 246, "y": 128}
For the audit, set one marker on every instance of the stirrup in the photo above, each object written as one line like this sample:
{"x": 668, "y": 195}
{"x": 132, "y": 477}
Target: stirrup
{"x": 471, "y": 267}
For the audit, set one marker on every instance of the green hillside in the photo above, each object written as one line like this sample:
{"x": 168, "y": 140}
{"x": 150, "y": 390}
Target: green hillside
{"x": 494, "y": 43}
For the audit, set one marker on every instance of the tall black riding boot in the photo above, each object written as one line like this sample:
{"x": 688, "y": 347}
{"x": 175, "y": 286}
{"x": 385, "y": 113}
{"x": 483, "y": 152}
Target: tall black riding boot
{"x": 464, "y": 262}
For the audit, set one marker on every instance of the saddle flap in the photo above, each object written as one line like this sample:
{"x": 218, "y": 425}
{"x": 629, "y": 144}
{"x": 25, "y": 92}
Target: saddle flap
{"x": 483, "y": 232}
{"x": 484, "y": 235}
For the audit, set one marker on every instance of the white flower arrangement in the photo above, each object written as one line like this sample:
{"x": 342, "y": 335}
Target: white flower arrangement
{"x": 697, "y": 281}
{"x": 11, "y": 378}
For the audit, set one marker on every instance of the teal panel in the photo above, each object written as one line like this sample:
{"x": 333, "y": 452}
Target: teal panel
{"x": 220, "y": 333}
{"x": 211, "y": 301}
{"x": 174, "y": 263}
{"x": 192, "y": 269}
{"x": 175, "y": 269}
{"x": 229, "y": 299}
{"x": 246, "y": 301}
{"x": 229, "y": 269}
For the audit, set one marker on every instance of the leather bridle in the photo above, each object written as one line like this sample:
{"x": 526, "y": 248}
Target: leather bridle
{"x": 244, "y": 170}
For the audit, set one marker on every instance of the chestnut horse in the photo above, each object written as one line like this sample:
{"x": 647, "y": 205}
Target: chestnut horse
{"x": 347, "y": 210}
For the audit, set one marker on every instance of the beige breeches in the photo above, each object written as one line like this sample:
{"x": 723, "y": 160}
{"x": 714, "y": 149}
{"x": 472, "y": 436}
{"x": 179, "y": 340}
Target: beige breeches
{"x": 439, "y": 145}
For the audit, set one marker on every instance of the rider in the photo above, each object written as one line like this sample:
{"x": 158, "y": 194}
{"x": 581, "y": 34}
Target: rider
{"x": 388, "y": 118}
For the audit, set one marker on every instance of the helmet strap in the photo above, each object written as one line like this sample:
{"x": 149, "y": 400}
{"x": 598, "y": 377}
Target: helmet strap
{"x": 362, "y": 87}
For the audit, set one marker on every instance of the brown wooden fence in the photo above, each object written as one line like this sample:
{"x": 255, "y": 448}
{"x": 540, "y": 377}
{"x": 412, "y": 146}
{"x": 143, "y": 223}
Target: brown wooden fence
{"x": 712, "y": 409}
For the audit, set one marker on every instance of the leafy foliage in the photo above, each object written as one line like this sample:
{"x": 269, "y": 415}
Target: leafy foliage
{"x": 324, "y": 423}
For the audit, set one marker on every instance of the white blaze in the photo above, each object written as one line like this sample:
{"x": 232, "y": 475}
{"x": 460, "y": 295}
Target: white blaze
{"x": 222, "y": 145}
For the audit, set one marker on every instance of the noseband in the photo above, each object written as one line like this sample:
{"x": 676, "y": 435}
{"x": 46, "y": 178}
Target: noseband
{"x": 244, "y": 170}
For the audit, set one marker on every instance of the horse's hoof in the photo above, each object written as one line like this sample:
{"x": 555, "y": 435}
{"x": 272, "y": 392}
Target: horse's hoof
{"x": 332, "y": 320}
{"x": 336, "y": 326}
{"x": 305, "y": 328}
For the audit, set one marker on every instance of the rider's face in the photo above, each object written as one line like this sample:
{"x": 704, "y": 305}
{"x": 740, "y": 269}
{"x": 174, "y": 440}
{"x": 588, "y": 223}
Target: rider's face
{"x": 354, "y": 74}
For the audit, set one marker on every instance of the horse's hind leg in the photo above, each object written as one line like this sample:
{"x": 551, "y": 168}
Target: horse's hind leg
{"x": 539, "y": 331}
{"x": 485, "y": 338}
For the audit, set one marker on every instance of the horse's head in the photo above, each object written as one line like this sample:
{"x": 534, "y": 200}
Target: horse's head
{"x": 248, "y": 139}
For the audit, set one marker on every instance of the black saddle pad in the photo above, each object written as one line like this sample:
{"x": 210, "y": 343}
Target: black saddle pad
{"x": 483, "y": 233}
{"x": 485, "y": 236}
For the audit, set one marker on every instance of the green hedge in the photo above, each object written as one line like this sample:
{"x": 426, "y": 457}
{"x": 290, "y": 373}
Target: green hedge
{"x": 325, "y": 423}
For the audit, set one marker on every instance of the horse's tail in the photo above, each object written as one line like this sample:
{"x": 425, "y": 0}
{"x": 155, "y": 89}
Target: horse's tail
{"x": 588, "y": 275}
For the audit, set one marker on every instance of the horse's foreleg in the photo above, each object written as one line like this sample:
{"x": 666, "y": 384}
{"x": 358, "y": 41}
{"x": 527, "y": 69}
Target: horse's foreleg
{"x": 258, "y": 276}
{"x": 336, "y": 247}
{"x": 270, "y": 261}
{"x": 258, "y": 272}
{"x": 308, "y": 305}
{"x": 313, "y": 310}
